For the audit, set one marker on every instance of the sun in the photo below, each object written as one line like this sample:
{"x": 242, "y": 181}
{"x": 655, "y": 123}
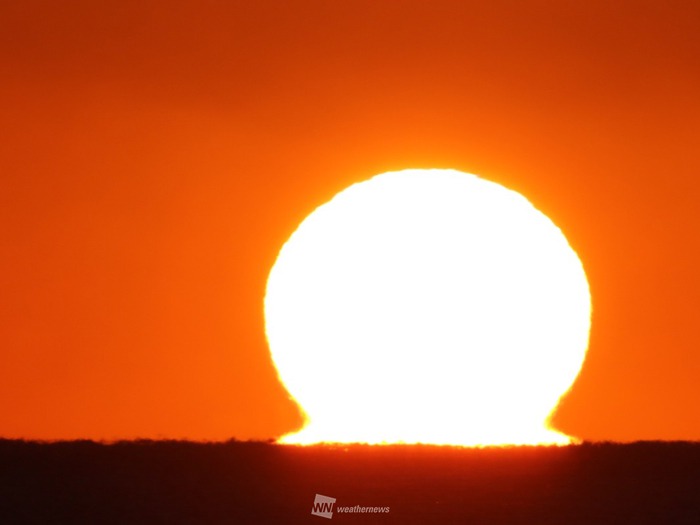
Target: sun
{"x": 427, "y": 306}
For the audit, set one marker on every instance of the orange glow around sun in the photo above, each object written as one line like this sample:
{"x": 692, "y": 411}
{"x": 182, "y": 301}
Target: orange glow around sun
{"x": 427, "y": 306}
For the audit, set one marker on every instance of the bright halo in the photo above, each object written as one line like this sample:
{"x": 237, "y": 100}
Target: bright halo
{"x": 427, "y": 306}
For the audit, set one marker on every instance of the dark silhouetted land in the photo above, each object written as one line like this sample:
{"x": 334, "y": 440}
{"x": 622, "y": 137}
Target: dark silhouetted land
{"x": 173, "y": 482}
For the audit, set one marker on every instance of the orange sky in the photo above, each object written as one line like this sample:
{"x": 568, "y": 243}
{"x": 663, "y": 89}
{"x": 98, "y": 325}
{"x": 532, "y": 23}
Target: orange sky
{"x": 155, "y": 156}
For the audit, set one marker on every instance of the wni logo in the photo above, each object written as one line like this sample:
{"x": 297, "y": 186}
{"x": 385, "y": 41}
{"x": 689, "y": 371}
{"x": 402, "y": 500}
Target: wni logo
{"x": 323, "y": 506}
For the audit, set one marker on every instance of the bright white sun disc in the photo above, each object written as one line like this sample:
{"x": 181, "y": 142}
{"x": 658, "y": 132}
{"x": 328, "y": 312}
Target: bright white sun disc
{"x": 427, "y": 306}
